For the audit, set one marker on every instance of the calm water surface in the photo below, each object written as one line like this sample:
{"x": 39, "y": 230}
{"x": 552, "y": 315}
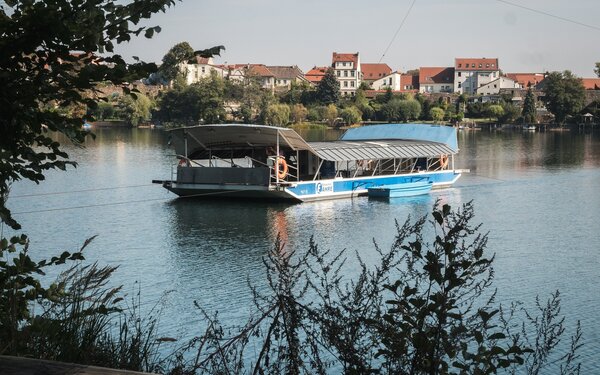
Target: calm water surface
{"x": 537, "y": 193}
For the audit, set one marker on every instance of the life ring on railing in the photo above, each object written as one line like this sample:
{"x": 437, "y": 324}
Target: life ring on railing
{"x": 443, "y": 161}
{"x": 182, "y": 162}
{"x": 281, "y": 168}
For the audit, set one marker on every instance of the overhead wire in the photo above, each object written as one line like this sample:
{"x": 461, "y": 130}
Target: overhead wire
{"x": 78, "y": 191}
{"x": 398, "y": 30}
{"x": 120, "y": 203}
{"x": 550, "y": 15}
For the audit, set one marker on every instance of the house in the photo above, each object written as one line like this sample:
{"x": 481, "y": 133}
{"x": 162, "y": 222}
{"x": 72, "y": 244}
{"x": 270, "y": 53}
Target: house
{"x": 374, "y": 72}
{"x": 392, "y": 80}
{"x": 409, "y": 82}
{"x": 472, "y": 73}
{"x": 493, "y": 87}
{"x": 526, "y": 80}
{"x": 436, "y": 79}
{"x": 347, "y": 70}
{"x": 201, "y": 68}
{"x": 262, "y": 74}
{"x": 316, "y": 74}
{"x": 286, "y": 75}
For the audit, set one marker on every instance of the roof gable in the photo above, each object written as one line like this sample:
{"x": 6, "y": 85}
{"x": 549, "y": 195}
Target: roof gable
{"x": 345, "y": 57}
{"x": 375, "y": 71}
{"x": 439, "y": 75}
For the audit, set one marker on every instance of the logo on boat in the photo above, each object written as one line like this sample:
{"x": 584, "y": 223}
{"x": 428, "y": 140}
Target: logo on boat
{"x": 326, "y": 187}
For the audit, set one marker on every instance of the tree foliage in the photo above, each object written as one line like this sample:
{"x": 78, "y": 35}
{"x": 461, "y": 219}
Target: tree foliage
{"x": 170, "y": 68}
{"x": 563, "y": 95}
{"x": 597, "y": 69}
{"x": 437, "y": 114}
{"x": 277, "y": 115}
{"x": 529, "y": 112}
{"x": 328, "y": 89}
{"x": 51, "y": 62}
{"x": 495, "y": 111}
{"x": 351, "y": 115}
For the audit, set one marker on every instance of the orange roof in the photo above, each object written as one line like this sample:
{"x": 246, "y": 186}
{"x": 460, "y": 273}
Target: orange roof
{"x": 260, "y": 70}
{"x": 591, "y": 83}
{"x": 375, "y": 71}
{"x": 316, "y": 74}
{"x": 408, "y": 80}
{"x": 476, "y": 64}
{"x": 345, "y": 57}
{"x": 526, "y": 79}
{"x": 436, "y": 75}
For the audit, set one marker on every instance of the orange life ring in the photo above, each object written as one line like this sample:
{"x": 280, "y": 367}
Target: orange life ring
{"x": 281, "y": 167}
{"x": 443, "y": 161}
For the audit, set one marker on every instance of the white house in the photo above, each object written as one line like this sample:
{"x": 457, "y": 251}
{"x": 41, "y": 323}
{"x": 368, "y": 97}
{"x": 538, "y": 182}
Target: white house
{"x": 347, "y": 71}
{"x": 470, "y": 74}
{"x": 286, "y": 75}
{"x": 493, "y": 87}
{"x": 202, "y": 68}
{"x": 392, "y": 81}
{"x": 436, "y": 79}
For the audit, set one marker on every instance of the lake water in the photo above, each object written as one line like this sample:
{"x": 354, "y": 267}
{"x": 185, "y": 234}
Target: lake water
{"x": 537, "y": 193}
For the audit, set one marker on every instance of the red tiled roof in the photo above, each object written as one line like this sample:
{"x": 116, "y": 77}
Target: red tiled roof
{"x": 526, "y": 79}
{"x": 409, "y": 80}
{"x": 436, "y": 75}
{"x": 375, "y": 71}
{"x": 347, "y": 57}
{"x": 476, "y": 64}
{"x": 591, "y": 83}
{"x": 316, "y": 74}
{"x": 202, "y": 60}
{"x": 260, "y": 70}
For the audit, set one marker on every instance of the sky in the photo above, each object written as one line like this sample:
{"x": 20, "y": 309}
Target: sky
{"x": 306, "y": 32}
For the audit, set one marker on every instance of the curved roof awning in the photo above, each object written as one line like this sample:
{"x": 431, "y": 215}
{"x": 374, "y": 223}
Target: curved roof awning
{"x": 375, "y": 150}
{"x": 234, "y": 136}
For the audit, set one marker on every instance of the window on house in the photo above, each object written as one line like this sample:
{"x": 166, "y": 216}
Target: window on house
{"x": 492, "y": 65}
{"x": 480, "y": 65}
{"x": 338, "y": 73}
{"x": 487, "y": 65}
{"x": 390, "y": 80}
{"x": 459, "y": 85}
{"x": 495, "y": 86}
{"x": 351, "y": 83}
{"x": 472, "y": 65}
{"x": 460, "y": 65}
{"x": 203, "y": 69}
{"x": 345, "y": 73}
{"x": 345, "y": 83}
{"x": 352, "y": 93}
{"x": 459, "y": 74}
{"x": 344, "y": 64}
{"x": 352, "y": 73}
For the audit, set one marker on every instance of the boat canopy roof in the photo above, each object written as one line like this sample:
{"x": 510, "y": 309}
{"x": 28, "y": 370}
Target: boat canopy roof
{"x": 387, "y": 141}
{"x": 415, "y": 132}
{"x": 234, "y": 136}
{"x": 381, "y": 149}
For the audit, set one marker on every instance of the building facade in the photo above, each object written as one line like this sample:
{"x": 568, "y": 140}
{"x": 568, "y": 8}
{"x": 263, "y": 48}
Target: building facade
{"x": 472, "y": 73}
{"x": 347, "y": 70}
{"x": 392, "y": 81}
{"x": 435, "y": 80}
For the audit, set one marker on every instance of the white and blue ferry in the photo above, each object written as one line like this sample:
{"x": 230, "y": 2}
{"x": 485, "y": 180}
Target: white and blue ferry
{"x": 267, "y": 162}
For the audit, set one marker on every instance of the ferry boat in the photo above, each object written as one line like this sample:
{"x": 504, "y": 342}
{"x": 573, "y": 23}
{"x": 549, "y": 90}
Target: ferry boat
{"x": 267, "y": 162}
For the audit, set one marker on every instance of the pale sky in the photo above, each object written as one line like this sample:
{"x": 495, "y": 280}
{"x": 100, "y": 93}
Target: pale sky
{"x": 306, "y": 32}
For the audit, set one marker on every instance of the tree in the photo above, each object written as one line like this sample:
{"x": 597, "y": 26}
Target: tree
{"x": 170, "y": 69}
{"x": 495, "y": 111}
{"x": 136, "y": 110}
{"x": 529, "y": 112}
{"x": 330, "y": 114}
{"x": 46, "y": 82}
{"x": 278, "y": 115}
{"x": 597, "y": 69}
{"x": 410, "y": 109}
{"x": 563, "y": 95}
{"x": 298, "y": 113}
{"x": 437, "y": 114}
{"x": 351, "y": 115}
{"x": 391, "y": 111}
{"x": 328, "y": 90}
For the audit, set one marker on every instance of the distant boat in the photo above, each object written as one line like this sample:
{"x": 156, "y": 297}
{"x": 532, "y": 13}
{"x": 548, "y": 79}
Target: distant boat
{"x": 407, "y": 189}
{"x": 529, "y": 127}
